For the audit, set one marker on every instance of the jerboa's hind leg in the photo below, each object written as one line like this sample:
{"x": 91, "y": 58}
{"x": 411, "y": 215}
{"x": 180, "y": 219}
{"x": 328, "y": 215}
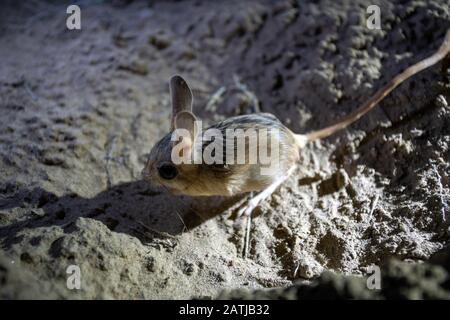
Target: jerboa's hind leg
{"x": 254, "y": 201}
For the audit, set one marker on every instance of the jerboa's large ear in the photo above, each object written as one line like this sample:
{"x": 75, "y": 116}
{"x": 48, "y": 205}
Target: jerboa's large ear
{"x": 186, "y": 120}
{"x": 181, "y": 97}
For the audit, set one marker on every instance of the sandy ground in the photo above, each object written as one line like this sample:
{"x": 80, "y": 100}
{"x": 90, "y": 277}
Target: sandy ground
{"x": 80, "y": 110}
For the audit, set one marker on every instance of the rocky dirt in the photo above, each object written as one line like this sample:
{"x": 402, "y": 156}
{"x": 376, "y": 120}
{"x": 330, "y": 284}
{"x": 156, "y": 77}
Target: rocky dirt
{"x": 399, "y": 280}
{"x": 81, "y": 109}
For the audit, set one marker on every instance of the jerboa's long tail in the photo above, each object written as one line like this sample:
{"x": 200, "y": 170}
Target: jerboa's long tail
{"x": 440, "y": 54}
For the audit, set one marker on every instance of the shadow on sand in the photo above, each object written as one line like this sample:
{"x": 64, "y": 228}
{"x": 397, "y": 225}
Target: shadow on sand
{"x": 133, "y": 208}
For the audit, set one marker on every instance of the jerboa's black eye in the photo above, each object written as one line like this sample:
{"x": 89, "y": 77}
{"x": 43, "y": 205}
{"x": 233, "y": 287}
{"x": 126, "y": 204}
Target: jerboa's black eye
{"x": 167, "y": 171}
